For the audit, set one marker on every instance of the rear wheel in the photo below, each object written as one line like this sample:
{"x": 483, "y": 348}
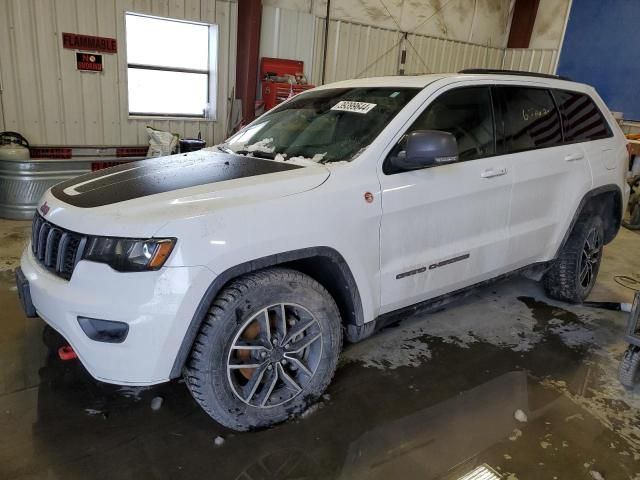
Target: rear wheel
{"x": 267, "y": 349}
{"x": 574, "y": 272}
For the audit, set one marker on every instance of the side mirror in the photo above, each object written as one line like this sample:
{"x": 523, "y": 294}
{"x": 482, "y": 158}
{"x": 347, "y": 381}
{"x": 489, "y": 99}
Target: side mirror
{"x": 425, "y": 148}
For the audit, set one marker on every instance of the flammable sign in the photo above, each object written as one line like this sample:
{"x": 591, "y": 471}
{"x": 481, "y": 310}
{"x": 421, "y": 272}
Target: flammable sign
{"x": 89, "y": 62}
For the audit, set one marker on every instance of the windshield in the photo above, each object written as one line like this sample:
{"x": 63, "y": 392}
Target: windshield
{"x": 322, "y": 126}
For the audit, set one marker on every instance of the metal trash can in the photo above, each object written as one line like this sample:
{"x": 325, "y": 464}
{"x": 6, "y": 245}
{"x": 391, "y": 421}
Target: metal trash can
{"x": 192, "y": 144}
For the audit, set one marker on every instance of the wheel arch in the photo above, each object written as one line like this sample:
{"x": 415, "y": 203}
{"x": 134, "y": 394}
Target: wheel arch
{"x": 606, "y": 201}
{"x": 324, "y": 264}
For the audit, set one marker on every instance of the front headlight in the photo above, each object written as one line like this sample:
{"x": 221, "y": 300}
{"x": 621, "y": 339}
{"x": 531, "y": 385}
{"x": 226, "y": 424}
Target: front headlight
{"x": 128, "y": 254}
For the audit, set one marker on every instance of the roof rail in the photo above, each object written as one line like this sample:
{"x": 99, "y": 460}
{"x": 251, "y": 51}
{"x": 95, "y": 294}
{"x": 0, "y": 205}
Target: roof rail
{"x": 512, "y": 72}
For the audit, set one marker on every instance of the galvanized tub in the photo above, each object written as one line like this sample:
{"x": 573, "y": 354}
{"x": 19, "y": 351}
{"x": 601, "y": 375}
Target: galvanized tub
{"x": 22, "y": 183}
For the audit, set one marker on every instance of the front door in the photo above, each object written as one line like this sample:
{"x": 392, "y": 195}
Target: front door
{"x": 446, "y": 227}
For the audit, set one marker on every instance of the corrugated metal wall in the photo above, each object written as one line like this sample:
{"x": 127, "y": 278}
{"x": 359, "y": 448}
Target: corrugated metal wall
{"x": 437, "y": 55}
{"x": 290, "y": 34}
{"x": 50, "y": 102}
{"x": 356, "y": 50}
{"x": 531, "y": 60}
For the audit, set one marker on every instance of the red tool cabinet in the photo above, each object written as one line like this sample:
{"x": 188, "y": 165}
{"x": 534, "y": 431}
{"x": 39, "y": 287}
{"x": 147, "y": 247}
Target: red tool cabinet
{"x": 272, "y": 73}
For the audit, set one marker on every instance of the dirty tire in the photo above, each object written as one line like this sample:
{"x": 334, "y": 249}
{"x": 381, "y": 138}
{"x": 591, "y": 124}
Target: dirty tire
{"x": 223, "y": 337}
{"x": 563, "y": 280}
{"x": 628, "y": 372}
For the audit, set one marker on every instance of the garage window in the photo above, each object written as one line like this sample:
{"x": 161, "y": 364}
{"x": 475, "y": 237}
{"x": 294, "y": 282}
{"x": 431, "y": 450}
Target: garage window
{"x": 171, "y": 67}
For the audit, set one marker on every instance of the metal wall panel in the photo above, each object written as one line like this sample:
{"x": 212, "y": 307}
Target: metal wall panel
{"x": 530, "y": 60}
{"x": 46, "y": 99}
{"x": 288, "y": 34}
{"x": 356, "y": 51}
{"x": 438, "y": 55}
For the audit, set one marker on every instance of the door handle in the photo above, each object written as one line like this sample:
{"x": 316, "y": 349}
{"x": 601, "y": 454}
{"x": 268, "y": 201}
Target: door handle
{"x": 493, "y": 172}
{"x": 572, "y": 157}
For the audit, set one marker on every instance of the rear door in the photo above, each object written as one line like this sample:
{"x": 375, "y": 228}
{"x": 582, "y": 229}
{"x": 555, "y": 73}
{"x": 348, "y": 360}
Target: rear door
{"x": 584, "y": 123}
{"x": 446, "y": 227}
{"x": 549, "y": 176}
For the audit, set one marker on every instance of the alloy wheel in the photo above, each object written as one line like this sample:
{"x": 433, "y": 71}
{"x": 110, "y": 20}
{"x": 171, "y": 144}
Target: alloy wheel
{"x": 589, "y": 258}
{"x": 274, "y": 355}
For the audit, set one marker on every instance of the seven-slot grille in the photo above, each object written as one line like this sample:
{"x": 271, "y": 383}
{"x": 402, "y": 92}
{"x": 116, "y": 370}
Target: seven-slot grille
{"x": 56, "y": 249}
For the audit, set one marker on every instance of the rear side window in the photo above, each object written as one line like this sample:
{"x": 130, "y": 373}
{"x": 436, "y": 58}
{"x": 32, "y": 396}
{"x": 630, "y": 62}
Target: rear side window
{"x": 466, "y": 113}
{"x": 581, "y": 117}
{"x": 529, "y": 119}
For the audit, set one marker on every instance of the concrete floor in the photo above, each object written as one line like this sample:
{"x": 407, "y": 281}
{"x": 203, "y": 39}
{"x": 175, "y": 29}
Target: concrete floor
{"x": 431, "y": 398}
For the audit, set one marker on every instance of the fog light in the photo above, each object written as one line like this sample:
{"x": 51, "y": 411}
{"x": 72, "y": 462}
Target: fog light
{"x": 106, "y": 331}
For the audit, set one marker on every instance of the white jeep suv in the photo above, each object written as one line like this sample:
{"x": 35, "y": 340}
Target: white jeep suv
{"x": 242, "y": 267}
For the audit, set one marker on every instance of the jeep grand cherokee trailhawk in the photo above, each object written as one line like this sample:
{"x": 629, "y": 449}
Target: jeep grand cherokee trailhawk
{"x": 241, "y": 268}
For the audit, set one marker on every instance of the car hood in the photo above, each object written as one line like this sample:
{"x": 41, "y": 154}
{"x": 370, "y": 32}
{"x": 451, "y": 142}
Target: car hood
{"x": 138, "y": 198}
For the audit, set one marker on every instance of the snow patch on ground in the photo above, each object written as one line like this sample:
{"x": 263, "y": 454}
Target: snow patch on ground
{"x": 311, "y": 410}
{"x": 515, "y": 435}
{"x": 520, "y": 416}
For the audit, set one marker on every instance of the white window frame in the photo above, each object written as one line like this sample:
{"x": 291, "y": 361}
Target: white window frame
{"x": 212, "y": 73}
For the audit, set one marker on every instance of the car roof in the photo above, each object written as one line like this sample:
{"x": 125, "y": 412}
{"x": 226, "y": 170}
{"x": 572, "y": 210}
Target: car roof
{"x": 421, "y": 81}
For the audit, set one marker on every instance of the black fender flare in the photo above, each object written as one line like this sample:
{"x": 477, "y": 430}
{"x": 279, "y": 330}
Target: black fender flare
{"x": 350, "y": 291}
{"x": 583, "y": 203}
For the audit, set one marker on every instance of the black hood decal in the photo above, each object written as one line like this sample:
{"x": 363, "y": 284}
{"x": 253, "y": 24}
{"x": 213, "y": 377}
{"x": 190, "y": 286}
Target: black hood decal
{"x": 160, "y": 175}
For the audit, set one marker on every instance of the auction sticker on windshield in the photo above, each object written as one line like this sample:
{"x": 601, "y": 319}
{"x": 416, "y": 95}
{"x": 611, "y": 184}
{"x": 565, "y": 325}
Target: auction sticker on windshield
{"x": 354, "y": 107}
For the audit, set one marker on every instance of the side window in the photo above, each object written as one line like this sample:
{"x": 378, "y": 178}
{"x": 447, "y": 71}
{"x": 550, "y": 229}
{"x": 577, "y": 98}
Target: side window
{"x": 529, "y": 119}
{"x": 582, "y": 119}
{"x": 466, "y": 113}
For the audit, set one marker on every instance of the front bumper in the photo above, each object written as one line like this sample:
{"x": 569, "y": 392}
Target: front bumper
{"x": 158, "y": 307}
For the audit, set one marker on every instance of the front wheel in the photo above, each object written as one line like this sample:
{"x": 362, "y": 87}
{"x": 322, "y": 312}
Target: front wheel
{"x": 267, "y": 349}
{"x": 573, "y": 274}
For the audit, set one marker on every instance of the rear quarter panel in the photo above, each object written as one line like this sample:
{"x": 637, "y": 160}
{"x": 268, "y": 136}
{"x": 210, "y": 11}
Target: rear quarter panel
{"x": 612, "y": 163}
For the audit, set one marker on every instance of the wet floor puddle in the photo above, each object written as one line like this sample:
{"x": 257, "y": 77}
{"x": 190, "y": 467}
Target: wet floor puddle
{"x": 432, "y": 398}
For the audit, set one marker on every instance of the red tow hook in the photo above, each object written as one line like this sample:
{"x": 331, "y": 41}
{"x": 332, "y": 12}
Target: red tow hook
{"x": 67, "y": 353}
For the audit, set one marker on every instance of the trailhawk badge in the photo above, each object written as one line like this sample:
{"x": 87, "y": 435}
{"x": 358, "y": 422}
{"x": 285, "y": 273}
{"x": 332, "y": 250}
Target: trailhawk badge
{"x": 44, "y": 208}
